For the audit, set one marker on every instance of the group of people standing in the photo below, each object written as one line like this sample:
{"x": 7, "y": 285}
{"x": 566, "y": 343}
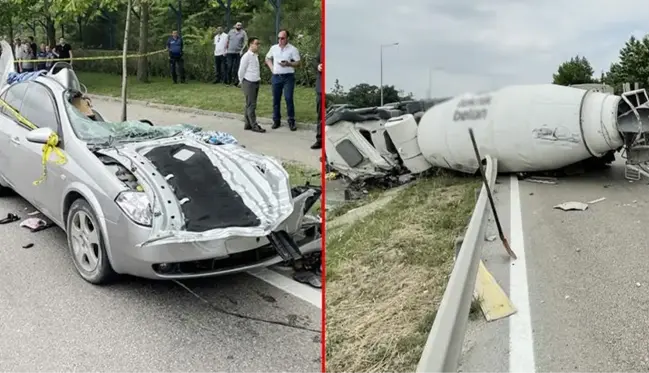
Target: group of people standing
{"x": 29, "y": 57}
{"x": 282, "y": 59}
{"x": 236, "y": 62}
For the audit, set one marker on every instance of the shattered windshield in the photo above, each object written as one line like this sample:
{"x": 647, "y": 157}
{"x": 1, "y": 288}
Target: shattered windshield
{"x": 99, "y": 132}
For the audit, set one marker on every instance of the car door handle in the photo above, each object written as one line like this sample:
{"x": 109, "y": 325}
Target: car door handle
{"x": 15, "y": 140}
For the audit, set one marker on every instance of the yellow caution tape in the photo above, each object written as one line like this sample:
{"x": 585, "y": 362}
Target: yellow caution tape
{"x": 50, "y": 146}
{"x": 96, "y": 58}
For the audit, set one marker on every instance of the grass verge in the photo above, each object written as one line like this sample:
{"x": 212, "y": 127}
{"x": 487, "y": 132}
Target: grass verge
{"x": 214, "y": 97}
{"x": 386, "y": 275}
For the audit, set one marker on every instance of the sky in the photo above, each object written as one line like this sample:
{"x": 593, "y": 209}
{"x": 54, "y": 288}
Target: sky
{"x": 472, "y": 45}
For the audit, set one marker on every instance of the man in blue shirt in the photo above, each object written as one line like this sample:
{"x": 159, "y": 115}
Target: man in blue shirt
{"x": 175, "y": 49}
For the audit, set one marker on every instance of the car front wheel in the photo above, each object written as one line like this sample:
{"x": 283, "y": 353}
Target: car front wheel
{"x": 86, "y": 244}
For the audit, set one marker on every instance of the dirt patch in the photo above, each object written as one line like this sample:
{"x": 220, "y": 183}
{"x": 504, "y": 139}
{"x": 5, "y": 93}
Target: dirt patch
{"x": 386, "y": 274}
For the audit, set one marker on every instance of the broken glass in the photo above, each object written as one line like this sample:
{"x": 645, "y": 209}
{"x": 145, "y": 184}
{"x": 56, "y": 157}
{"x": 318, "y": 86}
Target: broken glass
{"x": 102, "y": 133}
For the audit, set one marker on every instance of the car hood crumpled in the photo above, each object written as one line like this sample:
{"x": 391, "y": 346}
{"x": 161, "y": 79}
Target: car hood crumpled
{"x": 201, "y": 192}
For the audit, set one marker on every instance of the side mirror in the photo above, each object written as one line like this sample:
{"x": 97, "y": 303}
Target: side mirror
{"x": 40, "y": 135}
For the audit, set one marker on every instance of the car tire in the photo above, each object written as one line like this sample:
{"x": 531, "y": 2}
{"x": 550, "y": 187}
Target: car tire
{"x": 86, "y": 244}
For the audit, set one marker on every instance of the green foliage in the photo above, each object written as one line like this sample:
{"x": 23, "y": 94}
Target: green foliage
{"x": 99, "y": 24}
{"x": 576, "y": 71}
{"x": 365, "y": 95}
{"x": 199, "y": 65}
{"x": 633, "y": 65}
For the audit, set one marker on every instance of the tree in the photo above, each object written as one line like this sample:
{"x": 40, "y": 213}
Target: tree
{"x": 143, "y": 61}
{"x": 575, "y": 71}
{"x": 124, "y": 60}
{"x": 633, "y": 64}
{"x": 365, "y": 95}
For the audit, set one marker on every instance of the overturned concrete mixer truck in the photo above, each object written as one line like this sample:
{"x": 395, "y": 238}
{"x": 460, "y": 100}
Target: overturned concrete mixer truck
{"x": 528, "y": 128}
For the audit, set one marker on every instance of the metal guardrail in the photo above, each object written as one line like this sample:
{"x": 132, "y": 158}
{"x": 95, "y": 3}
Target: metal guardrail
{"x": 444, "y": 345}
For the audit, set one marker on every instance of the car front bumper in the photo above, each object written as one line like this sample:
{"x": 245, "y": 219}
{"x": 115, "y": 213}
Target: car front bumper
{"x": 190, "y": 260}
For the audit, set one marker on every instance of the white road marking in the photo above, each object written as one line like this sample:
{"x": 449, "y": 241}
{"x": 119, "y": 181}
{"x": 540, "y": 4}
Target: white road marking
{"x": 302, "y": 291}
{"x": 521, "y": 342}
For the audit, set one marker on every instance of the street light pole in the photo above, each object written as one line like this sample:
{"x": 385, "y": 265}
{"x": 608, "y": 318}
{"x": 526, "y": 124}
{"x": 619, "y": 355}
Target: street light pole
{"x": 382, "y": 47}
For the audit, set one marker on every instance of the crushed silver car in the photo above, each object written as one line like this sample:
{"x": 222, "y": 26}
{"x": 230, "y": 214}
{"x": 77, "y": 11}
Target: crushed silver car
{"x": 161, "y": 202}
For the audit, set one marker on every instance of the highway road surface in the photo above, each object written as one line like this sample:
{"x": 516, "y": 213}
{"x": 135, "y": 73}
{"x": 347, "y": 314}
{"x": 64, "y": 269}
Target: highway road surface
{"x": 51, "y": 320}
{"x": 581, "y": 283}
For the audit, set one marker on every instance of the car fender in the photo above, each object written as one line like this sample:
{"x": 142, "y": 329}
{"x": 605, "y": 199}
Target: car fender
{"x": 86, "y": 192}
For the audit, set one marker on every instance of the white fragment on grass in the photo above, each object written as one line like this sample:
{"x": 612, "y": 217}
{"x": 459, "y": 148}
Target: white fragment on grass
{"x": 572, "y": 206}
{"x": 597, "y": 200}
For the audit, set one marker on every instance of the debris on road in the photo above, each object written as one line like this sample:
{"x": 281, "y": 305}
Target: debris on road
{"x": 491, "y": 238}
{"x": 493, "y": 301}
{"x": 36, "y": 224}
{"x": 637, "y": 284}
{"x": 572, "y": 206}
{"x": 308, "y": 277}
{"x": 11, "y": 217}
{"x": 542, "y": 180}
{"x": 28, "y": 246}
{"x": 597, "y": 200}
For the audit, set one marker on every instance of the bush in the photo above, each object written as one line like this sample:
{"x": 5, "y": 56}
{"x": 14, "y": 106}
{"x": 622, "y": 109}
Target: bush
{"x": 199, "y": 64}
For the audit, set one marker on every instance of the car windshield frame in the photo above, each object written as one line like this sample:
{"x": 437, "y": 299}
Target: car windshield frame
{"x": 107, "y": 133}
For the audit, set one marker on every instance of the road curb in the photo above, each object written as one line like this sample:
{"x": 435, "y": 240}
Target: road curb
{"x": 190, "y": 110}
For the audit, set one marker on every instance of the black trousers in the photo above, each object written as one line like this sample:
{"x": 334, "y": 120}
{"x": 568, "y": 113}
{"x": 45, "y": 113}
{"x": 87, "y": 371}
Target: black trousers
{"x": 177, "y": 63}
{"x": 320, "y": 117}
{"x": 219, "y": 69}
{"x": 232, "y": 61}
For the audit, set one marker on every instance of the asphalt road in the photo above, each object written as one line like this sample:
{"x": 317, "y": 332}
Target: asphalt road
{"x": 51, "y": 320}
{"x": 586, "y": 306}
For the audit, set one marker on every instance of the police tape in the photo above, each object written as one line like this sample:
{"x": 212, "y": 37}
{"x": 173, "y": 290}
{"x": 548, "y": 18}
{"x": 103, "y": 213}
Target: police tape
{"x": 51, "y": 146}
{"x": 95, "y": 58}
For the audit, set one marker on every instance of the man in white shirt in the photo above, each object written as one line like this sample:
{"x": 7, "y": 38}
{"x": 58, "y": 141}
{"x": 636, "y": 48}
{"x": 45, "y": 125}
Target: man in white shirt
{"x": 282, "y": 59}
{"x": 19, "y": 54}
{"x": 220, "y": 47}
{"x": 249, "y": 76}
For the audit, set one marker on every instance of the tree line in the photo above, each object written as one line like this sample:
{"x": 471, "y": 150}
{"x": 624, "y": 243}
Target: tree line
{"x": 365, "y": 95}
{"x": 96, "y": 28}
{"x": 632, "y": 67}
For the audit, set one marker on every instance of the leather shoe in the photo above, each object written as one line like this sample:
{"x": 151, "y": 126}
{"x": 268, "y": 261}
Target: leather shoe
{"x": 257, "y": 128}
{"x": 316, "y": 145}
{"x": 276, "y": 125}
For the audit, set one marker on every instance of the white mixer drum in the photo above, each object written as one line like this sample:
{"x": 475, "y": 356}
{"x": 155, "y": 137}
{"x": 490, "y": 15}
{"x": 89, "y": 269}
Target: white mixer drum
{"x": 527, "y": 128}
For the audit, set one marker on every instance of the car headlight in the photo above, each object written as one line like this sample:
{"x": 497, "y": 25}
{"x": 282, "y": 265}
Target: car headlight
{"x": 136, "y": 206}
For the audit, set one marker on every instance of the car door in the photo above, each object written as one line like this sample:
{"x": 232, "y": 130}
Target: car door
{"x": 39, "y": 107}
{"x": 9, "y": 129}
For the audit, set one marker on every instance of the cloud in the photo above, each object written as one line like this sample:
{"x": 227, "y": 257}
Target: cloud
{"x": 472, "y": 45}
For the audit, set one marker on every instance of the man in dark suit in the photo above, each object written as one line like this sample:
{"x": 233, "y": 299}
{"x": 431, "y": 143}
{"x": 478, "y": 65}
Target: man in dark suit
{"x": 318, "y": 100}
